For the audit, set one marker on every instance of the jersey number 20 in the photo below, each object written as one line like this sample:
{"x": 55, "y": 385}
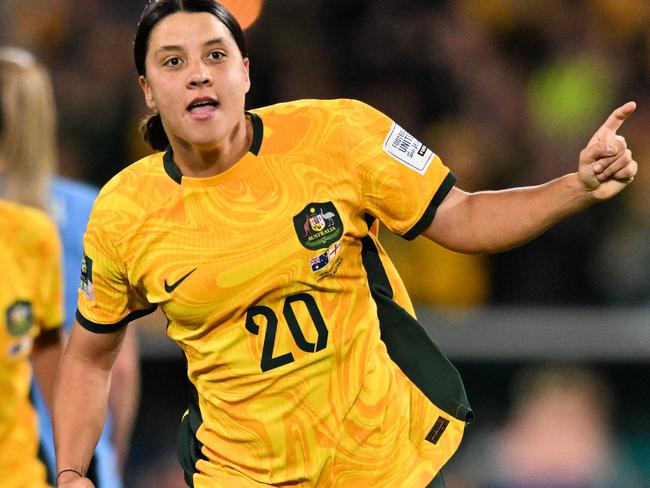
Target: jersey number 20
{"x": 269, "y": 361}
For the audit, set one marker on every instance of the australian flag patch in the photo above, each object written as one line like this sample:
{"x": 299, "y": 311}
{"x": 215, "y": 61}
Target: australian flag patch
{"x": 319, "y": 262}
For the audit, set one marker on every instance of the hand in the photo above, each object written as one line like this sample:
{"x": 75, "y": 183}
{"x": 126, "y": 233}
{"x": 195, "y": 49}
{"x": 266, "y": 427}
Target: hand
{"x": 70, "y": 479}
{"x": 606, "y": 165}
{"x": 78, "y": 483}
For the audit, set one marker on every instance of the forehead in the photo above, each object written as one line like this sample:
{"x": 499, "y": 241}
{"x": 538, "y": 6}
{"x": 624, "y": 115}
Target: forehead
{"x": 187, "y": 28}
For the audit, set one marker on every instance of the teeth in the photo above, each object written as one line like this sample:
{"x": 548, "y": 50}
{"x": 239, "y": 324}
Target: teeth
{"x": 202, "y": 104}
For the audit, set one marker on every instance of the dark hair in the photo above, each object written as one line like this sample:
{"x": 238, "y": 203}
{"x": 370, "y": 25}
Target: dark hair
{"x": 154, "y": 12}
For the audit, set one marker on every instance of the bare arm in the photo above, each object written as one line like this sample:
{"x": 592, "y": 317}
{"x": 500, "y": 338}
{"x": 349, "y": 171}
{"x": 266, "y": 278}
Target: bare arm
{"x": 45, "y": 358}
{"x": 485, "y": 222}
{"x": 81, "y": 399}
{"x": 125, "y": 394}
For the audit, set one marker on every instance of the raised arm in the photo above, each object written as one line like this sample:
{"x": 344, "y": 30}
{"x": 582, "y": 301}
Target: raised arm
{"x": 81, "y": 400}
{"x": 492, "y": 221}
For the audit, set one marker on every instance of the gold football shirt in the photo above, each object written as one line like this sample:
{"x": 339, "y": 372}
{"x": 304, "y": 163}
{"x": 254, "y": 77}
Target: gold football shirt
{"x": 307, "y": 365}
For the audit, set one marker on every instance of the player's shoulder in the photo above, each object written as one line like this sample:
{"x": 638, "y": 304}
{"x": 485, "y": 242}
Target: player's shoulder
{"x": 24, "y": 216}
{"x": 135, "y": 183}
{"x": 26, "y": 224}
{"x": 314, "y": 122}
{"x": 314, "y": 107}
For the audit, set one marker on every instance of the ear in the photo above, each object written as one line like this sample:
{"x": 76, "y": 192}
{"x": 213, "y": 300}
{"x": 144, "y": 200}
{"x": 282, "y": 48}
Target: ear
{"x": 247, "y": 74}
{"x": 146, "y": 90}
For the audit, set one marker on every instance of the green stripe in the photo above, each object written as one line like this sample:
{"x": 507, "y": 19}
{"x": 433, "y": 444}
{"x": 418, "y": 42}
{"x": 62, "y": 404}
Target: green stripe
{"x": 410, "y": 347}
{"x": 426, "y": 219}
{"x": 188, "y": 446}
{"x": 437, "y": 482}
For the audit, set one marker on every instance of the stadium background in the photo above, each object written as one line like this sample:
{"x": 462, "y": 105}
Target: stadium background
{"x": 507, "y": 92}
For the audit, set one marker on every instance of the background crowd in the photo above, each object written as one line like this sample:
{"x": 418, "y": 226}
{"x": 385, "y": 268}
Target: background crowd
{"x": 507, "y": 92}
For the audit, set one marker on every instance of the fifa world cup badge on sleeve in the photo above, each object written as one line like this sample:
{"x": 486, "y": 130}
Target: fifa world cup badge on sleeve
{"x": 406, "y": 149}
{"x": 86, "y": 281}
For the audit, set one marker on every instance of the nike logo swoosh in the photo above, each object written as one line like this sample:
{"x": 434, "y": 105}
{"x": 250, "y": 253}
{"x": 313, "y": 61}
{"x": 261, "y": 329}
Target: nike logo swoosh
{"x": 170, "y": 288}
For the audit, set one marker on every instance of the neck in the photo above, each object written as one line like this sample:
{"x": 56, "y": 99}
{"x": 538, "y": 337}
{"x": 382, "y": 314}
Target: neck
{"x": 210, "y": 160}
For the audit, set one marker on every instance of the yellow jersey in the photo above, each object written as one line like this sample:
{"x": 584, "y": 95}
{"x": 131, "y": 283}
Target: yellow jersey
{"x": 30, "y": 301}
{"x": 307, "y": 365}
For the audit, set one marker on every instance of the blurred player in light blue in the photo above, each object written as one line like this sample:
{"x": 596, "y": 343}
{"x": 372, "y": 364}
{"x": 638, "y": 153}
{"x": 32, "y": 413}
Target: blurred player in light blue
{"x": 30, "y": 180}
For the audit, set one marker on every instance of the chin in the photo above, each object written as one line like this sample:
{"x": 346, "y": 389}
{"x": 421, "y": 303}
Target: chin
{"x": 208, "y": 134}
{"x": 205, "y": 139}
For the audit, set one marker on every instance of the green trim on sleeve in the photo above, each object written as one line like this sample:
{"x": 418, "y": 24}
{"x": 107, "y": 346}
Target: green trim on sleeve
{"x": 106, "y": 328}
{"x": 426, "y": 219}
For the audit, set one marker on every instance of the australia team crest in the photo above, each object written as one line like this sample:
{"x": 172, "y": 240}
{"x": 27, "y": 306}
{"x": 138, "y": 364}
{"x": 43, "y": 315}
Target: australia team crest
{"x": 318, "y": 225}
{"x": 19, "y": 317}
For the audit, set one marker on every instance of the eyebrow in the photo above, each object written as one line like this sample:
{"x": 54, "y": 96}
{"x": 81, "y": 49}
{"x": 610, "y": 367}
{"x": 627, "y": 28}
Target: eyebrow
{"x": 173, "y": 47}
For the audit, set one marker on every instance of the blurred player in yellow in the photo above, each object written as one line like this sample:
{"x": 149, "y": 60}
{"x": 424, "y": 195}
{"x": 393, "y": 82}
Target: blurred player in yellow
{"x": 256, "y": 234}
{"x": 28, "y": 176}
{"x": 31, "y": 306}
{"x": 31, "y": 315}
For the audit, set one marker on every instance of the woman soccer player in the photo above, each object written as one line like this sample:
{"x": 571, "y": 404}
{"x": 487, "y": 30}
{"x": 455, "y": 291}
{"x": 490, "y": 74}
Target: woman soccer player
{"x": 256, "y": 233}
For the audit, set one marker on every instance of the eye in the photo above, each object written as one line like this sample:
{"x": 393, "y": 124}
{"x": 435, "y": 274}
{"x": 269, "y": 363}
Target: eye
{"x": 216, "y": 55}
{"x": 175, "y": 61}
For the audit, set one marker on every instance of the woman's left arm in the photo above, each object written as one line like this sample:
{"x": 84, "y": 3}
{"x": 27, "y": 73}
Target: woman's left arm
{"x": 493, "y": 221}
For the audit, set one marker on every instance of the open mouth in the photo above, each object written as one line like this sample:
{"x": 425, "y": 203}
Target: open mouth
{"x": 202, "y": 104}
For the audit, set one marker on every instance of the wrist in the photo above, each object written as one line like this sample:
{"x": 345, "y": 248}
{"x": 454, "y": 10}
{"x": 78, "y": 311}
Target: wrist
{"x": 67, "y": 475}
{"x": 581, "y": 190}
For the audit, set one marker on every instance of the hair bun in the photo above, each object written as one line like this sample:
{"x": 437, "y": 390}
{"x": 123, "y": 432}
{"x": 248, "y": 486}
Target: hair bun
{"x": 154, "y": 133}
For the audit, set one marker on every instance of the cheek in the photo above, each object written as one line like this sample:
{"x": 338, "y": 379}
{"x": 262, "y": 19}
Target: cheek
{"x": 239, "y": 85}
{"x": 164, "y": 97}
{"x": 245, "y": 77}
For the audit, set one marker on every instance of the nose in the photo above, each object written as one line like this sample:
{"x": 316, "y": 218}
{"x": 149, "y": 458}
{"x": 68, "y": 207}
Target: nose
{"x": 200, "y": 79}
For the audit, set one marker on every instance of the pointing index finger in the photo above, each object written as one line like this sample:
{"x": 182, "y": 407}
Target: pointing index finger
{"x": 617, "y": 117}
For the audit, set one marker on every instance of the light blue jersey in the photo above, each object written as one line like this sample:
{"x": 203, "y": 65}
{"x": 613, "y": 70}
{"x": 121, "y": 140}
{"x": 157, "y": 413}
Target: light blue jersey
{"x": 70, "y": 206}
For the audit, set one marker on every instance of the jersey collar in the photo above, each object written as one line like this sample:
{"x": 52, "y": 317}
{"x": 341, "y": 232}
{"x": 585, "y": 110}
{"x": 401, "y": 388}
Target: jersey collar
{"x": 256, "y": 144}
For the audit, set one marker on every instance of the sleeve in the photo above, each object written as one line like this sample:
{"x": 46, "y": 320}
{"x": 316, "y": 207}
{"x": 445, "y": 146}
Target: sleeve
{"x": 106, "y": 298}
{"x": 402, "y": 181}
{"x": 50, "y": 286}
